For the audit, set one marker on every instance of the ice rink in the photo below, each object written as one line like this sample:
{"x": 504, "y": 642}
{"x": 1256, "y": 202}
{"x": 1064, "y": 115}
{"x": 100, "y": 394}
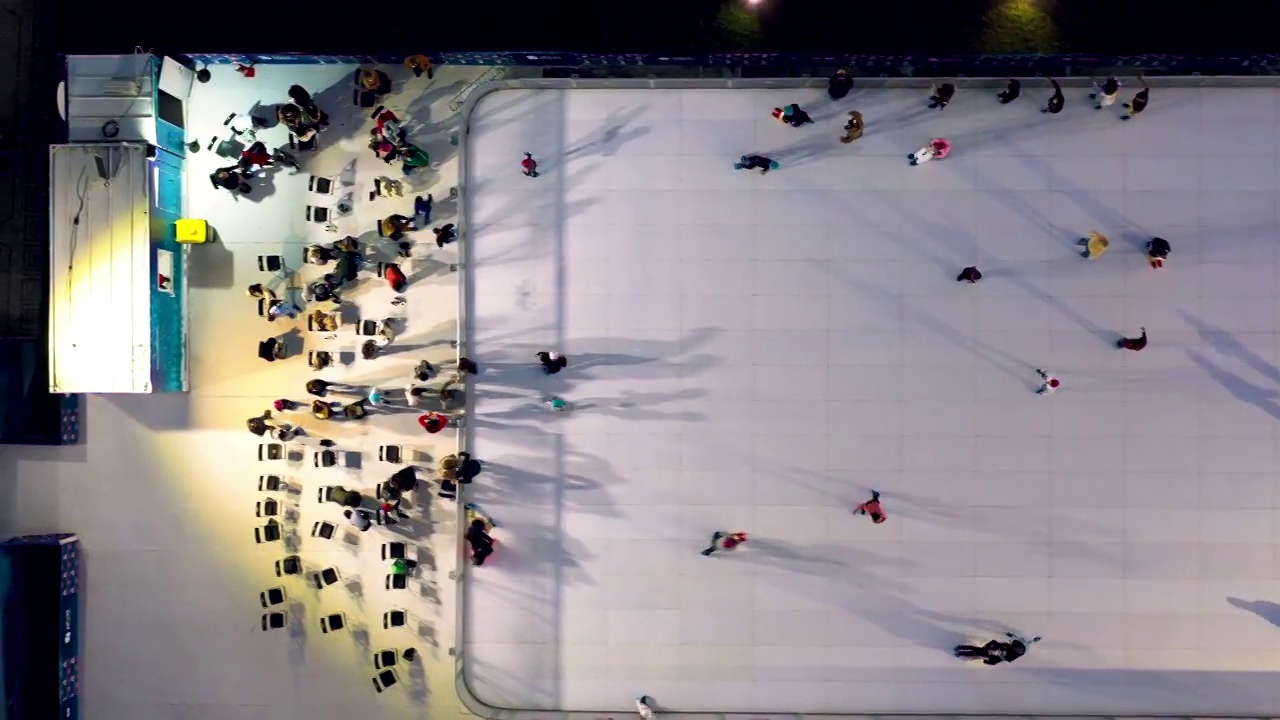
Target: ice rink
{"x": 757, "y": 353}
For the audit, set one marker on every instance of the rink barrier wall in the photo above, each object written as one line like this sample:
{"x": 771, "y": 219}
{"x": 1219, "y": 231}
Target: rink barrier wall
{"x": 469, "y": 700}
{"x": 794, "y": 64}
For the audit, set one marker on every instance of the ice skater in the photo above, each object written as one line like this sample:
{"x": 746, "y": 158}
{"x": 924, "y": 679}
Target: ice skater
{"x": 1050, "y": 384}
{"x": 792, "y": 115}
{"x": 1139, "y": 102}
{"x": 422, "y": 211}
{"x": 1157, "y": 252}
{"x": 969, "y": 275}
{"x": 552, "y": 362}
{"x": 1106, "y": 93}
{"x": 1056, "y": 101}
{"x": 1011, "y": 92}
{"x": 529, "y": 165}
{"x": 995, "y": 651}
{"x": 942, "y": 95}
{"x": 1134, "y": 344}
{"x": 938, "y": 148}
{"x": 840, "y": 84}
{"x": 726, "y": 541}
{"x": 872, "y": 508}
{"x": 478, "y": 538}
{"x": 756, "y": 162}
{"x": 853, "y": 128}
{"x": 642, "y": 703}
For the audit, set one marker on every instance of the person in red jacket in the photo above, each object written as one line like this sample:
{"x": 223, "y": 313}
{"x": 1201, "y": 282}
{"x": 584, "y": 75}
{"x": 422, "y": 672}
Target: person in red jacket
{"x": 529, "y": 165}
{"x": 721, "y": 540}
{"x": 395, "y": 277}
{"x": 255, "y": 156}
{"x": 872, "y": 508}
{"x": 433, "y": 422}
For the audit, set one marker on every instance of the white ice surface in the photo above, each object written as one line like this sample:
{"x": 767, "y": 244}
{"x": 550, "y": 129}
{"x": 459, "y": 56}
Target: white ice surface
{"x": 755, "y": 353}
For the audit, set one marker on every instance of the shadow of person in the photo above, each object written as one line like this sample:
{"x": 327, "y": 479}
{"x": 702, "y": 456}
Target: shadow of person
{"x": 1263, "y": 398}
{"x": 1264, "y": 609}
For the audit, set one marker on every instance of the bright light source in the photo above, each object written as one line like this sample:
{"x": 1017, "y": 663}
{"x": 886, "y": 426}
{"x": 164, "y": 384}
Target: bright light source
{"x": 753, "y": 3}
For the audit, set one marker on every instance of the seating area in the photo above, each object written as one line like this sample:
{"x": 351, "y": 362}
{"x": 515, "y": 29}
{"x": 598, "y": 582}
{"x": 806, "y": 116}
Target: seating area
{"x": 307, "y": 241}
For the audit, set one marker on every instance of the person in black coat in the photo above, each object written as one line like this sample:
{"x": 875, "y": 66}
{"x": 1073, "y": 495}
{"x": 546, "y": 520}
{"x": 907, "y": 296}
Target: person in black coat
{"x": 1011, "y": 92}
{"x": 969, "y": 274}
{"x": 1139, "y": 102}
{"x": 230, "y": 178}
{"x": 996, "y": 652}
{"x": 1056, "y": 101}
{"x": 404, "y": 480}
{"x": 754, "y": 162}
{"x": 942, "y": 95}
{"x": 552, "y": 363}
{"x": 840, "y": 84}
{"x": 468, "y": 468}
{"x": 477, "y": 537}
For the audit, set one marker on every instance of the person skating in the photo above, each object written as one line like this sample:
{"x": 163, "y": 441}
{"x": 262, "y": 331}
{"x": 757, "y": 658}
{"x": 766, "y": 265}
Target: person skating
{"x": 643, "y": 705}
{"x": 721, "y": 540}
{"x": 477, "y": 536}
{"x": 792, "y": 115}
{"x": 529, "y": 165}
{"x": 996, "y": 652}
{"x": 1139, "y": 101}
{"x": 1158, "y": 251}
{"x": 756, "y": 162}
{"x": 1011, "y": 92}
{"x": 552, "y": 362}
{"x": 942, "y": 95}
{"x": 795, "y": 116}
{"x": 1106, "y": 93}
{"x": 1134, "y": 344}
{"x": 840, "y": 84}
{"x": 969, "y": 274}
{"x": 1056, "y": 101}
{"x": 938, "y": 148}
{"x": 872, "y": 508}
{"x": 853, "y": 128}
{"x": 1051, "y": 383}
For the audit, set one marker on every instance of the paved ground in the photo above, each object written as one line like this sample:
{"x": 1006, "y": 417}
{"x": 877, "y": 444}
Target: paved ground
{"x": 164, "y": 490}
{"x": 757, "y": 353}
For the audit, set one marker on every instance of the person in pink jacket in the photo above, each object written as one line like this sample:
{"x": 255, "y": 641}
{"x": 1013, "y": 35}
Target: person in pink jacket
{"x": 937, "y": 148}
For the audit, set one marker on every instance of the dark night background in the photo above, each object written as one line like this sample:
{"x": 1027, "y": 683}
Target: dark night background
{"x": 678, "y": 26}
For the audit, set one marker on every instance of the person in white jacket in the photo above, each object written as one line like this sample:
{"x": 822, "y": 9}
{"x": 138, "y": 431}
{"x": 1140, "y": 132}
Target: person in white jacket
{"x": 642, "y": 707}
{"x": 1051, "y": 383}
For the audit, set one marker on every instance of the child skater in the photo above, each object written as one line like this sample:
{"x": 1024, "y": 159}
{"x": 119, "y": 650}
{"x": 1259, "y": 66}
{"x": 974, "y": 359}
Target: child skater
{"x": 529, "y": 165}
{"x": 872, "y": 508}
{"x": 1051, "y": 383}
{"x": 724, "y": 541}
